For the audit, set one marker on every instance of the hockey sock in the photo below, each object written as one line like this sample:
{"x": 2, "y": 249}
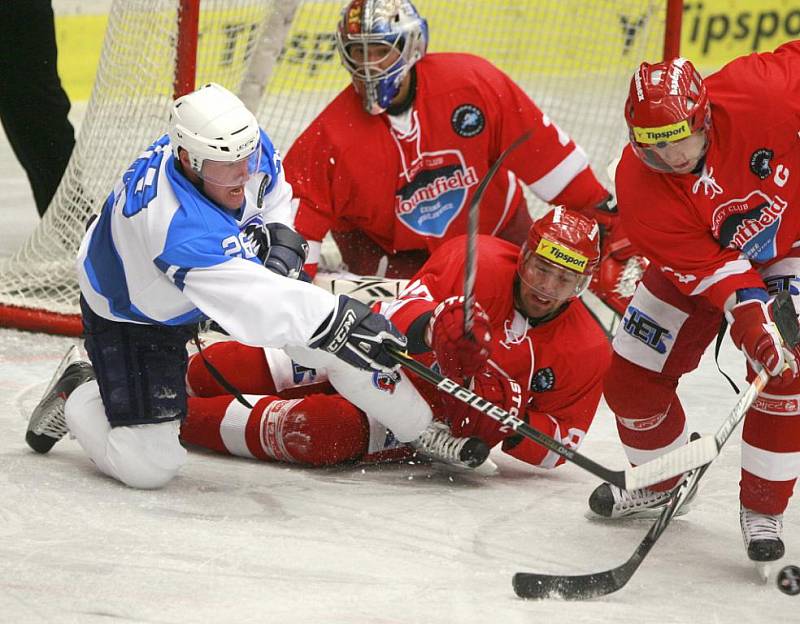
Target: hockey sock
{"x": 242, "y": 366}
{"x": 317, "y": 430}
{"x": 770, "y": 440}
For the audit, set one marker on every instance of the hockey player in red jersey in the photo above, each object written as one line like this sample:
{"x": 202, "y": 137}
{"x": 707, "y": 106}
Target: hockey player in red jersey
{"x": 534, "y": 350}
{"x": 391, "y": 164}
{"x": 707, "y": 190}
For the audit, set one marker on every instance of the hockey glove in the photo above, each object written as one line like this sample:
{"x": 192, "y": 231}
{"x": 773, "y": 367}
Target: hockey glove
{"x": 280, "y": 248}
{"x": 754, "y": 332}
{"x": 496, "y": 388}
{"x": 459, "y": 355}
{"x": 621, "y": 268}
{"x": 358, "y": 336}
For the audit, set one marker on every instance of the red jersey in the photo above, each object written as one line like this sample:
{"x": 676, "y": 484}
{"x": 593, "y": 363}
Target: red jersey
{"x": 408, "y": 190}
{"x": 709, "y": 233}
{"x": 561, "y": 361}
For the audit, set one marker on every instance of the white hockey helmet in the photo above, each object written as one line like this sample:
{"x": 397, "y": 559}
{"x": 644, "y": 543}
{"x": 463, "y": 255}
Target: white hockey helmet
{"x": 216, "y": 129}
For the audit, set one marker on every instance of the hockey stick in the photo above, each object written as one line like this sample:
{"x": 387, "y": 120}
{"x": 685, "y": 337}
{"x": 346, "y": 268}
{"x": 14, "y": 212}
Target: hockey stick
{"x": 471, "y": 262}
{"x": 655, "y": 471}
{"x": 531, "y": 585}
{"x": 366, "y": 289}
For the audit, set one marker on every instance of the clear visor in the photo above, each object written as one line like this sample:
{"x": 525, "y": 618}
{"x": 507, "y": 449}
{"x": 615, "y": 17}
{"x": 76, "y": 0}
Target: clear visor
{"x": 231, "y": 174}
{"x": 548, "y": 280}
{"x": 679, "y": 156}
{"x": 369, "y": 61}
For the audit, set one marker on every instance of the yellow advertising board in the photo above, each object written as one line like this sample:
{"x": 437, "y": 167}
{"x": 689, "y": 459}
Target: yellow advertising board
{"x": 717, "y": 31}
{"x": 505, "y": 31}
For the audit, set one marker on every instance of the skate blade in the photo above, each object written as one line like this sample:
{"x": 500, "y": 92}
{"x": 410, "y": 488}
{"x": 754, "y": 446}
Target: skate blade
{"x": 487, "y": 469}
{"x": 763, "y": 570}
{"x": 72, "y": 355}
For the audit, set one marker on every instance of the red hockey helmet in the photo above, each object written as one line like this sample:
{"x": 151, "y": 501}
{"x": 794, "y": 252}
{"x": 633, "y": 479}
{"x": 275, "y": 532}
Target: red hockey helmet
{"x": 560, "y": 255}
{"x": 668, "y": 103}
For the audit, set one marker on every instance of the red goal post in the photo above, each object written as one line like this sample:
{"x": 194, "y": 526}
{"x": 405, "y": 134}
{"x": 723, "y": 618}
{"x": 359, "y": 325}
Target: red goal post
{"x": 574, "y": 57}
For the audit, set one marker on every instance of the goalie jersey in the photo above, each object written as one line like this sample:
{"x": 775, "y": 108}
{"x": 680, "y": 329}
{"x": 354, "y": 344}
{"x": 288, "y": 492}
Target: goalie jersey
{"x": 405, "y": 180}
{"x": 162, "y": 253}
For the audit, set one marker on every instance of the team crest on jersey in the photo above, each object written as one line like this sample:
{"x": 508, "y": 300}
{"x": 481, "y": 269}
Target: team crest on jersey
{"x": 467, "y": 120}
{"x": 750, "y": 224}
{"x": 432, "y": 200}
{"x": 759, "y": 162}
{"x": 385, "y": 382}
{"x": 543, "y": 379}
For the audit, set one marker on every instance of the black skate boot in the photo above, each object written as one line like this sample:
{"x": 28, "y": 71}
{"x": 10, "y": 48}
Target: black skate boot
{"x": 611, "y": 502}
{"x": 47, "y": 424}
{"x": 762, "y": 538}
{"x": 436, "y": 442}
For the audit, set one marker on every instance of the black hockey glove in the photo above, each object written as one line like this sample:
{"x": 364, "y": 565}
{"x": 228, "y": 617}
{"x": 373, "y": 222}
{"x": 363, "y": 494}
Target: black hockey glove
{"x": 280, "y": 248}
{"x": 358, "y": 336}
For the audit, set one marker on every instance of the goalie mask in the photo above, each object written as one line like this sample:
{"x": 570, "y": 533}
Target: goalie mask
{"x": 668, "y": 116}
{"x": 378, "y": 42}
{"x": 557, "y": 261}
{"x": 219, "y": 134}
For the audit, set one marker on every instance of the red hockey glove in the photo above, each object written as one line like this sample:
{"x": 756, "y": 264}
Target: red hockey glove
{"x": 621, "y": 268}
{"x": 615, "y": 280}
{"x": 495, "y": 387}
{"x": 754, "y": 332}
{"x": 459, "y": 355}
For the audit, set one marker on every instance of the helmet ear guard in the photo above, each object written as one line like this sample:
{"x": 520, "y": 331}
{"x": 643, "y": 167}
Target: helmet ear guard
{"x": 394, "y": 24}
{"x": 213, "y": 124}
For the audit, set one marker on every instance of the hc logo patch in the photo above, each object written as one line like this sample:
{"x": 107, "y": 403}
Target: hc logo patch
{"x": 467, "y": 120}
{"x": 543, "y": 380}
{"x": 385, "y": 382}
{"x": 645, "y": 329}
{"x": 759, "y": 162}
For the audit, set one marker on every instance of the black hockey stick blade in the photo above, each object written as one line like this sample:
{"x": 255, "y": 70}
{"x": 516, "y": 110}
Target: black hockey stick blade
{"x": 473, "y": 211}
{"x": 533, "y": 586}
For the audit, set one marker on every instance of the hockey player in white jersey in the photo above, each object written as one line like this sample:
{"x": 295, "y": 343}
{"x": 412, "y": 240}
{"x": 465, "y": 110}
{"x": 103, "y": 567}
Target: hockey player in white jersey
{"x": 181, "y": 239}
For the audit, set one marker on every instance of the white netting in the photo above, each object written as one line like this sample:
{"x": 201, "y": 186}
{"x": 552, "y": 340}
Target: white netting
{"x": 574, "y": 57}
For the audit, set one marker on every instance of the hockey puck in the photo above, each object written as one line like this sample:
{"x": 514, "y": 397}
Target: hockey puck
{"x": 789, "y": 580}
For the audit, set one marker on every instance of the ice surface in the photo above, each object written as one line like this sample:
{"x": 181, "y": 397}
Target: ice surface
{"x": 241, "y": 541}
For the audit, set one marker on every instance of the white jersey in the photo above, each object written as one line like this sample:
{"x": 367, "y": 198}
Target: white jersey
{"x": 162, "y": 253}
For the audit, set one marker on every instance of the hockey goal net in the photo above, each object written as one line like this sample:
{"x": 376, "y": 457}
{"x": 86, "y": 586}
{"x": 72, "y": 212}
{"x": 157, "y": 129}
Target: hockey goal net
{"x": 574, "y": 57}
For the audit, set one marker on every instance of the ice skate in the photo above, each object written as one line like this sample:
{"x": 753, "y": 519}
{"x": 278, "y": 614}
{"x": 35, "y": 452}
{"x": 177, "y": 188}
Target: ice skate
{"x": 762, "y": 539}
{"x": 609, "y": 501}
{"x": 47, "y": 424}
{"x": 437, "y": 442}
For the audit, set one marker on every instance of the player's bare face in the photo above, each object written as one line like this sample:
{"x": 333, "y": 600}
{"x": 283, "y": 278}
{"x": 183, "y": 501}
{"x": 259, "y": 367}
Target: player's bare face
{"x": 544, "y": 286}
{"x": 222, "y": 182}
{"x": 682, "y": 156}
